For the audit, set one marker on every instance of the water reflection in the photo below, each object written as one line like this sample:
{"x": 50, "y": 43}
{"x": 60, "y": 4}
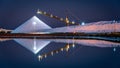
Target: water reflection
{"x": 71, "y": 43}
{"x": 56, "y": 51}
{"x": 36, "y": 45}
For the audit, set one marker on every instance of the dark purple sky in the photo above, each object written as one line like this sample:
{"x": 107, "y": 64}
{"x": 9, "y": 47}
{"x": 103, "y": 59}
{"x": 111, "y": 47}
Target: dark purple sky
{"x": 15, "y": 12}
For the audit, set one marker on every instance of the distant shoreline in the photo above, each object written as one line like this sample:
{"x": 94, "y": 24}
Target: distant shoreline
{"x": 115, "y": 37}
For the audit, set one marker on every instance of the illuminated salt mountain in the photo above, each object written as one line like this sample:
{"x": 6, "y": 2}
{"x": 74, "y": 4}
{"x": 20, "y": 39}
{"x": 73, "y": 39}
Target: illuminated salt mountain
{"x": 34, "y": 24}
{"x": 95, "y": 27}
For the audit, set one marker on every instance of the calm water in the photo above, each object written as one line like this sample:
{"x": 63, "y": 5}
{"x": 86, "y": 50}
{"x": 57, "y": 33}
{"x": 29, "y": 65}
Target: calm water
{"x": 85, "y": 53}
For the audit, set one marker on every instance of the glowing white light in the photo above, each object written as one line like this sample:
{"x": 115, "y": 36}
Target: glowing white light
{"x": 83, "y": 23}
{"x": 39, "y": 57}
{"x": 52, "y": 53}
{"x": 61, "y": 49}
{"x": 45, "y": 56}
{"x": 73, "y": 45}
{"x": 114, "y": 49}
{"x": 39, "y": 12}
{"x": 73, "y": 22}
{"x": 34, "y": 48}
{"x": 34, "y": 23}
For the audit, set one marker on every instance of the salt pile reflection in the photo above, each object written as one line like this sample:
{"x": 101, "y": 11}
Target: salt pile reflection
{"x": 35, "y": 45}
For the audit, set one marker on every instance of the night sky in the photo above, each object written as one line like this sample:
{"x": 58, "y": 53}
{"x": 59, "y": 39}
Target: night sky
{"x": 13, "y": 13}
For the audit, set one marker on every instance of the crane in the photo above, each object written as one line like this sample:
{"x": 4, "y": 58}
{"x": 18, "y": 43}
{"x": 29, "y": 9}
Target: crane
{"x": 66, "y": 20}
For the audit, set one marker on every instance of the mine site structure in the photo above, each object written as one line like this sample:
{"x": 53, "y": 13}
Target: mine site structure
{"x": 65, "y": 20}
{"x": 3, "y": 31}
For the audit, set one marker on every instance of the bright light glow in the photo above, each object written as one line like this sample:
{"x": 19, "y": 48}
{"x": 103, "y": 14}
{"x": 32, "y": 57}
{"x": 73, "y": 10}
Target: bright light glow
{"x": 52, "y": 53}
{"x": 39, "y": 12}
{"x": 83, "y": 23}
{"x": 73, "y": 45}
{"x": 114, "y": 49}
{"x": 61, "y": 49}
{"x": 73, "y": 22}
{"x": 34, "y": 23}
{"x": 39, "y": 57}
{"x": 34, "y": 48}
{"x": 45, "y": 56}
